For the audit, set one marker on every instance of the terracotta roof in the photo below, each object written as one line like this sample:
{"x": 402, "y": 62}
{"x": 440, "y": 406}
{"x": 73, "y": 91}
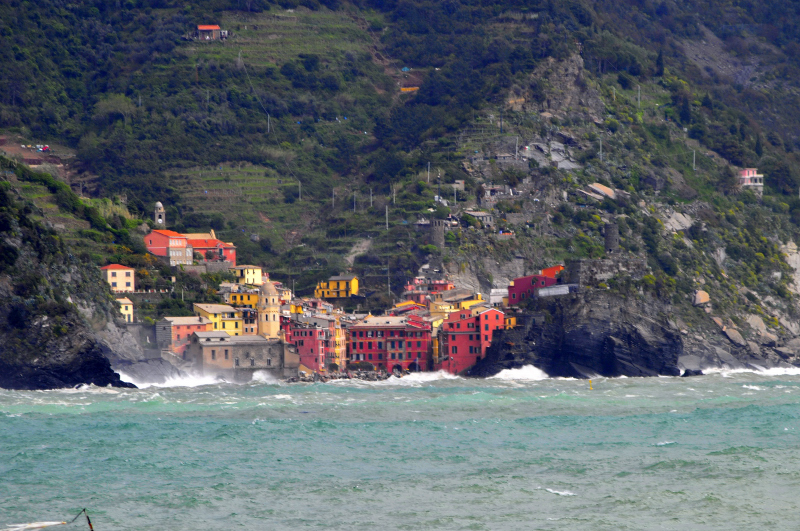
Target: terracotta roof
{"x": 124, "y": 300}
{"x": 207, "y": 28}
{"x": 170, "y": 233}
{"x": 115, "y": 266}
{"x": 209, "y": 243}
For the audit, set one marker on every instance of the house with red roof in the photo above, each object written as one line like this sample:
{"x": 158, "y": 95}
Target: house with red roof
{"x": 465, "y": 335}
{"x": 119, "y": 277}
{"x": 214, "y": 250}
{"x": 210, "y": 32}
{"x": 170, "y": 245}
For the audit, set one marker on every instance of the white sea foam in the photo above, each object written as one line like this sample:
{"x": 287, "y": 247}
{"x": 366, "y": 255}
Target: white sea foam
{"x": 185, "y": 381}
{"x": 774, "y": 371}
{"x": 560, "y": 492}
{"x": 527, "y": 373}
{"x": 265, "y": 377}
{"x": 665, "y": 443}
{"x": 753, "y": 387}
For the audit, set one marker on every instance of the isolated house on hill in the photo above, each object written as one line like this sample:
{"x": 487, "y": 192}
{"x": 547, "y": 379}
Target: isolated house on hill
{"x": 211, "y": 33}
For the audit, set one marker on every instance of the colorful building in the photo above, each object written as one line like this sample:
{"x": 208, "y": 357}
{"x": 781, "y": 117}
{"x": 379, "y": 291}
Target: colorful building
{"x": 119, "y": 277}
{"x": 465, "y": 336}
{"x": 750, "y": 179}
{"x": 242, "y": 299}
{"x": 524, "y": 288}
{"x": 223, "y": 318}
{"x": 170, "y": 245}
{"x": 126, "y": 309}
{"x": 248, "y": 275}
{"x": 174, "y": 333}
{"x": 392, "y": 343}
{"x": 552, "y": 271}
{"x": 213, "y": 249}
{"x": 337, "y": 287}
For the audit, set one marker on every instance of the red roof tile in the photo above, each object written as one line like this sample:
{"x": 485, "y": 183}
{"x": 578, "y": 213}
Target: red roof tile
{"x": 115, "y": 266}
{"x": 207, "y": 28}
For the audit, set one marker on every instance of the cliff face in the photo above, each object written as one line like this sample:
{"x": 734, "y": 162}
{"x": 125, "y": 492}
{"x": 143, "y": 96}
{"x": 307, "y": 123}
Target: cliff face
{"x": 586, "y": 334}
{"x": 45, "y": 341}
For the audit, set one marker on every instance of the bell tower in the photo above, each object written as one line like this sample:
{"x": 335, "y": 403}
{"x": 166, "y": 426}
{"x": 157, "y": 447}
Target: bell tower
{"x": 269, "y": 324}
{"x": 160, "y": 216}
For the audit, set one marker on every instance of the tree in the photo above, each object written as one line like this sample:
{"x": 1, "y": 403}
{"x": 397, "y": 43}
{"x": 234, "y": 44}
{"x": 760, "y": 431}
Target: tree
{"x": 759, "y": 149}
{"x": 727, "y": 181}
{"x": 686, "y": 111}
{"x": 660, "y": 63}
{"x": 114, "y": 105}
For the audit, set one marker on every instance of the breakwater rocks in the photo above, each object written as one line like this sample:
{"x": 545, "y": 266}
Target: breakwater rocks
{"x": 586, "y": 334}
{"x": 371, "y": 376}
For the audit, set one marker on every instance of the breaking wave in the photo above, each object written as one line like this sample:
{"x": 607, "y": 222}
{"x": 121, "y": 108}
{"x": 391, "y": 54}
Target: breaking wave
{"x": 526, "y": 373}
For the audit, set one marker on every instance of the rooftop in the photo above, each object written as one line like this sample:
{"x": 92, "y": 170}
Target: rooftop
{"x": 115, "y": 266}
{"x": 124, "y": 300}
{"x": 215, "y": 308}
{"x": 170, "y": 233}
{"x": 343, "y": 277}
{"x": 207, "y": 27}
{"x": 187, "y": 320}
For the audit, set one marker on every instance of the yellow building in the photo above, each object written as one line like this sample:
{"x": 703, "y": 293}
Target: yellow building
{"x": 247, "y": 299}
{"x": 126, "y": 309}
{"x": 269, "y": 307}
{"x": 223, "y": 317}
{"x": 337, "y": 287}
{"x": 119, "y": 277}
{"x": 510, "y": 322}
{"x": 248, "y": 274}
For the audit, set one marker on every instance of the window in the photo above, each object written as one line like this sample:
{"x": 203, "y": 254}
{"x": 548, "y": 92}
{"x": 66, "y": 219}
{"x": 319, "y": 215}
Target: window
{"x": 458, "y": 325}
{"x": 380, "y": 345}
{"x": 127, "y": 284}
{"x": 380, "y": 356}
{"x": 400, "y": 356}
{"x": 226, "y": 353}
{"x": 235, "y": 362}
{"x": 215, "y": 326}
{"x": 513, "y": 295}
{"x": 470, "y": 337}
{"x": 237, "y": 325}
{"x": 213, "y": 354}
{"x": 370, "y": 357}
{"x": 113, "y": 284}
{"x": 455, "y": 350}
{"x": 497, "y": 317}
{"x": 452, "y": 338}
{"x": 114, "y": 274}
{"x": 269, "y": 362}
{"x": 486, "y": 338}
{"x": 252, "y": 362}
{"x": 369, "y": 345}
{"x": 470, "y": 350}
{"x": 179, "y": 336}
{"x": 486, "y": 327}
{"x": 393, "y": 355}
{"x": 360, "y": 345}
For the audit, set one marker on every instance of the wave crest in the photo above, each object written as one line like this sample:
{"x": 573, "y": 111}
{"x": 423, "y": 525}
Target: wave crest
{"x": 526, "y": 373}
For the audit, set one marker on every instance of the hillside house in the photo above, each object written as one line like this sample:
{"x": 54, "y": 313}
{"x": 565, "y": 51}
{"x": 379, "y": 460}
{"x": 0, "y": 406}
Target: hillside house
{"x": 337, "y": 287}
{"x": 750, "y": 179}
{"x": 211, "y": 32}
{"x": 486, "y": 219}
{"x": 523, "y": 288}
{"x": 223, "y": 317}
{"x": 214, "y": 250}
{"x": 248, "y": 274}
{"x": 119, "y": 277}
{"x": 170, "y": 245}
{"x": 126, "y": 309}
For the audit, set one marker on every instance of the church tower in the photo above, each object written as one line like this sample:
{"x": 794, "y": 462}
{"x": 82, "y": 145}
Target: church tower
{"x": 269, "y": 320}
{"x": 160, "y": 216}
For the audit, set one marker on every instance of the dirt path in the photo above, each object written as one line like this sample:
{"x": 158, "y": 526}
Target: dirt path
{"x": 360, "y": 247}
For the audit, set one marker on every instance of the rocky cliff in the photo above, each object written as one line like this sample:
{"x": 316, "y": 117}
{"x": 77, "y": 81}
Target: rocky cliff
{"x": 589, "y": 333}
{"x": 45, "y": 340}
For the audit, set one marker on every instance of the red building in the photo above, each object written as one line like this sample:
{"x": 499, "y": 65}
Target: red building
{"x": 171, "y": 245}
{"x": 525, "y": 287}
{"x": 552, "y": 271}
{"x": 214, "y": 250}
{"x": 311, "y": 342}
{"x": 465, "y": 336}
{"x": 392, "y": 343}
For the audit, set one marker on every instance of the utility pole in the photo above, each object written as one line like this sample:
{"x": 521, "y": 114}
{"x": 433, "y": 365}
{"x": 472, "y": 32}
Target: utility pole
{"x": 388, "y": 279}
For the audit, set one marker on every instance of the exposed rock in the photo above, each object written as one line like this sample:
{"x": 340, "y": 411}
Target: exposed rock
{"x": 678, "y": 221}
{"x": 767, "y": 339}
{"x": 756, "y": 323}
{"x": 735, "y": 337}
{"x": 590, "y": 333}
{"x": 754, "y": 348}
{"x": 700, "y": 298}
{"x": 717, "y": 321}
{"x": 692, "y": 372}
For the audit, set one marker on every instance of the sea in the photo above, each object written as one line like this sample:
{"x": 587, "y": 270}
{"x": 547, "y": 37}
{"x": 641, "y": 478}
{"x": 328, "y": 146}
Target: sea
{"x": 519, "y": 451}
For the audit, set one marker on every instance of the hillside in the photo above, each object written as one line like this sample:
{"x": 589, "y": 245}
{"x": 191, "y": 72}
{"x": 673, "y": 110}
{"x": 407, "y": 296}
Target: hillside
{"x": 293, "y": 139}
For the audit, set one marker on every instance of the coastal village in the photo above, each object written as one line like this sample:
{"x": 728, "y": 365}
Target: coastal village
{"x": 261, "y": 325}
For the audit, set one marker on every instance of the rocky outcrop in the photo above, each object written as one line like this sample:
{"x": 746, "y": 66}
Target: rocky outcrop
{"x": 45, "y": 341}
{"x": 587, "y": 334}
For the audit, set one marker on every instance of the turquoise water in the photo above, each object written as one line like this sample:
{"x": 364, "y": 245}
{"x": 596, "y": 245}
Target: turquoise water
{"x": 426, "y": 452}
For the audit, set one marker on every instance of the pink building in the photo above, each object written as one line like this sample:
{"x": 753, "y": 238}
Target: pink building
{"x": 392, "y": 343}
{"x": 525, "y": 287}
{"x": 465, "y": 336}
{"x": 750, "y": 179}
{"x": 218, "y": 250}
{"x": 171, "y": 245}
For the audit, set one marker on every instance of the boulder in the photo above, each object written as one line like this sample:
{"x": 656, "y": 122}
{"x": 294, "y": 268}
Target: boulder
{"x": 735, "y": 337}
{"x": 756, "y": 323}
{"x": 692, "y": 372}
{"x": 754, "y": 348}
{"x": 768, "y": 339}
{"x": 700, "y": 298}
{"x": 718, "y": 321}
